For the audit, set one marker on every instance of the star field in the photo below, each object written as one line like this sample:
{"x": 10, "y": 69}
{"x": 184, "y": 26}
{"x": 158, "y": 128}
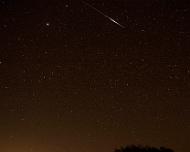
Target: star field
{"x": 72, "y": 80}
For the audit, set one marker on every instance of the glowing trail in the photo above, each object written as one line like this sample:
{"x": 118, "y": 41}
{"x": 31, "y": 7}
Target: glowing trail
{"x": 95, "y": 9}
{"x": 111, "y": 19}
{"x": 116, "y": 22}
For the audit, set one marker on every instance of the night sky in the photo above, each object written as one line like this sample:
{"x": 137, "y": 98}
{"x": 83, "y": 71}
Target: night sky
{"x": 71, "y": 80}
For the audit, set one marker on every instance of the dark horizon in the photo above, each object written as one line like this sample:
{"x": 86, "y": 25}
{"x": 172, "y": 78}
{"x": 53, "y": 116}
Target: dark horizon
{"x": 72, "y": 80}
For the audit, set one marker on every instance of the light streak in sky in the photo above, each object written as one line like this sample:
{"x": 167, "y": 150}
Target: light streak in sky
{"x": 106, "y": 16}
{"x": 116, "y": 22}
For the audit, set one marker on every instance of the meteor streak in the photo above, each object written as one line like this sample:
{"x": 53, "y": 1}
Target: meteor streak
{"x": 116, "y": 22}
{"x": 106, "y": 16}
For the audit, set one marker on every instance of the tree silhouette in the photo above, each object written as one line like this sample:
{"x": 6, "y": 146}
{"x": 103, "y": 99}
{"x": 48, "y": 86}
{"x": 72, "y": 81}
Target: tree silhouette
{"x": 139, "y": 148}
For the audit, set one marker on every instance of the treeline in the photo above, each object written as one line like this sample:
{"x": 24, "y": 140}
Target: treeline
{"x": 139, "y": 148}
